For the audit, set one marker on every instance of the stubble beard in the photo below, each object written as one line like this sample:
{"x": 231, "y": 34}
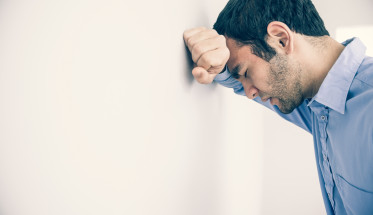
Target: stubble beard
{"x": 285, "y": 80}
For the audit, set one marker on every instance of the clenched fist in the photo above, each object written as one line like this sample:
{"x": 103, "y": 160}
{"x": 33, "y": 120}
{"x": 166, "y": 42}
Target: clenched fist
{"x": 209, "y": 53}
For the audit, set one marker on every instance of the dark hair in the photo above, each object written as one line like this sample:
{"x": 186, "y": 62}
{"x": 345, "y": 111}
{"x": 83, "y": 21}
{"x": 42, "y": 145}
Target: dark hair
{"x": 246, "y": 21}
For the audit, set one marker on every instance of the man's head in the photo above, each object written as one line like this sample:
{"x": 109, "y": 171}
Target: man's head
{"x": 246, "y": 21}
{"x": 265, "y": 38}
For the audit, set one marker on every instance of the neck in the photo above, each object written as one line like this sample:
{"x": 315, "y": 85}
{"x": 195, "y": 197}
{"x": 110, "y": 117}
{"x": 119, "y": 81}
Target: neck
{"x": 321, "y": 55}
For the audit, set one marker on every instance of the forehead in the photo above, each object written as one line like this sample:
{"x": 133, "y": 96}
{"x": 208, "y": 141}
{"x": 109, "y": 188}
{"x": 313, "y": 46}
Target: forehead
{"x": 235, "y": 51}
{"x": 241, "y": 57}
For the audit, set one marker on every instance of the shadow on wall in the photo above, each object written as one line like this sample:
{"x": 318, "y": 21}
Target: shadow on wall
{"x": 189, "y": 66}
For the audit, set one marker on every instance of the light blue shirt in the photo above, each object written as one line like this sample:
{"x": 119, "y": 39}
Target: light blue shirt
{"x": 340, "y": 118}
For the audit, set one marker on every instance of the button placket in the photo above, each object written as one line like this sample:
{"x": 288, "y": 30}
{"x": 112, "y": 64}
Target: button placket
{"x": 321, "y": 113}
{"x": 326, "y": 170}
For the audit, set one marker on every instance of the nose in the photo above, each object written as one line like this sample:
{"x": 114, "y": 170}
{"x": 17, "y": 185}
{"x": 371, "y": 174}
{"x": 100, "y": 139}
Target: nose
{"x": 250, "y": 91}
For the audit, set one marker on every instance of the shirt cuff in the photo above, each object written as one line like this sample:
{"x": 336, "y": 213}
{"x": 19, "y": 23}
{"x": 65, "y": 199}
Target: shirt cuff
{"x": 223, "y": 75}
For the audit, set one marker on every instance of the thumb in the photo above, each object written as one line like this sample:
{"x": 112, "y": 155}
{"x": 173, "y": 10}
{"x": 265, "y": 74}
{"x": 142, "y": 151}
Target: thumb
{"x": 202, "y": 75}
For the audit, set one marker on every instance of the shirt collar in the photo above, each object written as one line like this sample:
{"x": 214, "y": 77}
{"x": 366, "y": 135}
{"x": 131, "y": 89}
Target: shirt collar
{"x": 334, "y": 89}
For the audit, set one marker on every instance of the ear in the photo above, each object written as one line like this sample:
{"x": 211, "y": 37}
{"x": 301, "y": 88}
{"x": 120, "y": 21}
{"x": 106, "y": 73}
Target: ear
{"x": 280, "y": 37}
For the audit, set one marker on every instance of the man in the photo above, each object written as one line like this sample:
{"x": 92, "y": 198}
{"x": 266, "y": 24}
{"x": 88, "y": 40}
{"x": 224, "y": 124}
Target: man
{"x": 278, "y": 53}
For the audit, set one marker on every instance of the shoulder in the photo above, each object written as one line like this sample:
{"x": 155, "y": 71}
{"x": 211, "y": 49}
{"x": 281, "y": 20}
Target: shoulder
{"x": 364, "y": 74}
{"x": 362, "y": 85}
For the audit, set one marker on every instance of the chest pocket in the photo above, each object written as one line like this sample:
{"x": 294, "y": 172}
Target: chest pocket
{"x": 355, "y": 200}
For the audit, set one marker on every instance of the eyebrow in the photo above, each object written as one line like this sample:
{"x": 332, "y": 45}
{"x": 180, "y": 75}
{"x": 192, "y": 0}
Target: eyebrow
{"x": 235, "y": 72}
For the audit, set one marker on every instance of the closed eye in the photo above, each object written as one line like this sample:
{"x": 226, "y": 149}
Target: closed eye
{"x": 246, "y": 75}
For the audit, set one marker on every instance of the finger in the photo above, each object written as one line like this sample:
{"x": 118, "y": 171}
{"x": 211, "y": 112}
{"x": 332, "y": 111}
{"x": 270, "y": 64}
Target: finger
{"x": 201, "y": 36}
{"x": 189, "y": 33}
{"x": 214, "y": 61}
{"x": 202, "y": 75}
{"x": 207, "y": 45}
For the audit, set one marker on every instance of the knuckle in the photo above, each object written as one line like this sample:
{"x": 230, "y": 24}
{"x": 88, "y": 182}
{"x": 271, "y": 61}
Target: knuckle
{"x": 192, "y": 38}
{"x": 213, "y": 31}
{"x": 221, "y": 39}
{"x": 186, "y": 34}
{"x": 197, "y": 49}
{"x": 190, "y": 41}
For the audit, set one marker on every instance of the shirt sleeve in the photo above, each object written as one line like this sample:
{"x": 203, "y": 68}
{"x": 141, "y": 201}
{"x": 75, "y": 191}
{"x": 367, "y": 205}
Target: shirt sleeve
{"x": 301, "y": 116}
{"x": 225, "y": 79}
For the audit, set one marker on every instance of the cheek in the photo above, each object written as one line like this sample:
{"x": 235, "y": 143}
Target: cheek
{"x": 263, "y": 81}
{"x": 279, "y": 76}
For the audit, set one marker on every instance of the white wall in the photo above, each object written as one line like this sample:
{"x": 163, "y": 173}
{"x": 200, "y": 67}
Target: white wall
{"x": 99, "y": 114}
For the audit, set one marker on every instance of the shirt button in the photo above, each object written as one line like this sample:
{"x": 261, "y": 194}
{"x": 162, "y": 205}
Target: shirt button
{"x": 323, "y": 117}
{"x": 324, "y": 156}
